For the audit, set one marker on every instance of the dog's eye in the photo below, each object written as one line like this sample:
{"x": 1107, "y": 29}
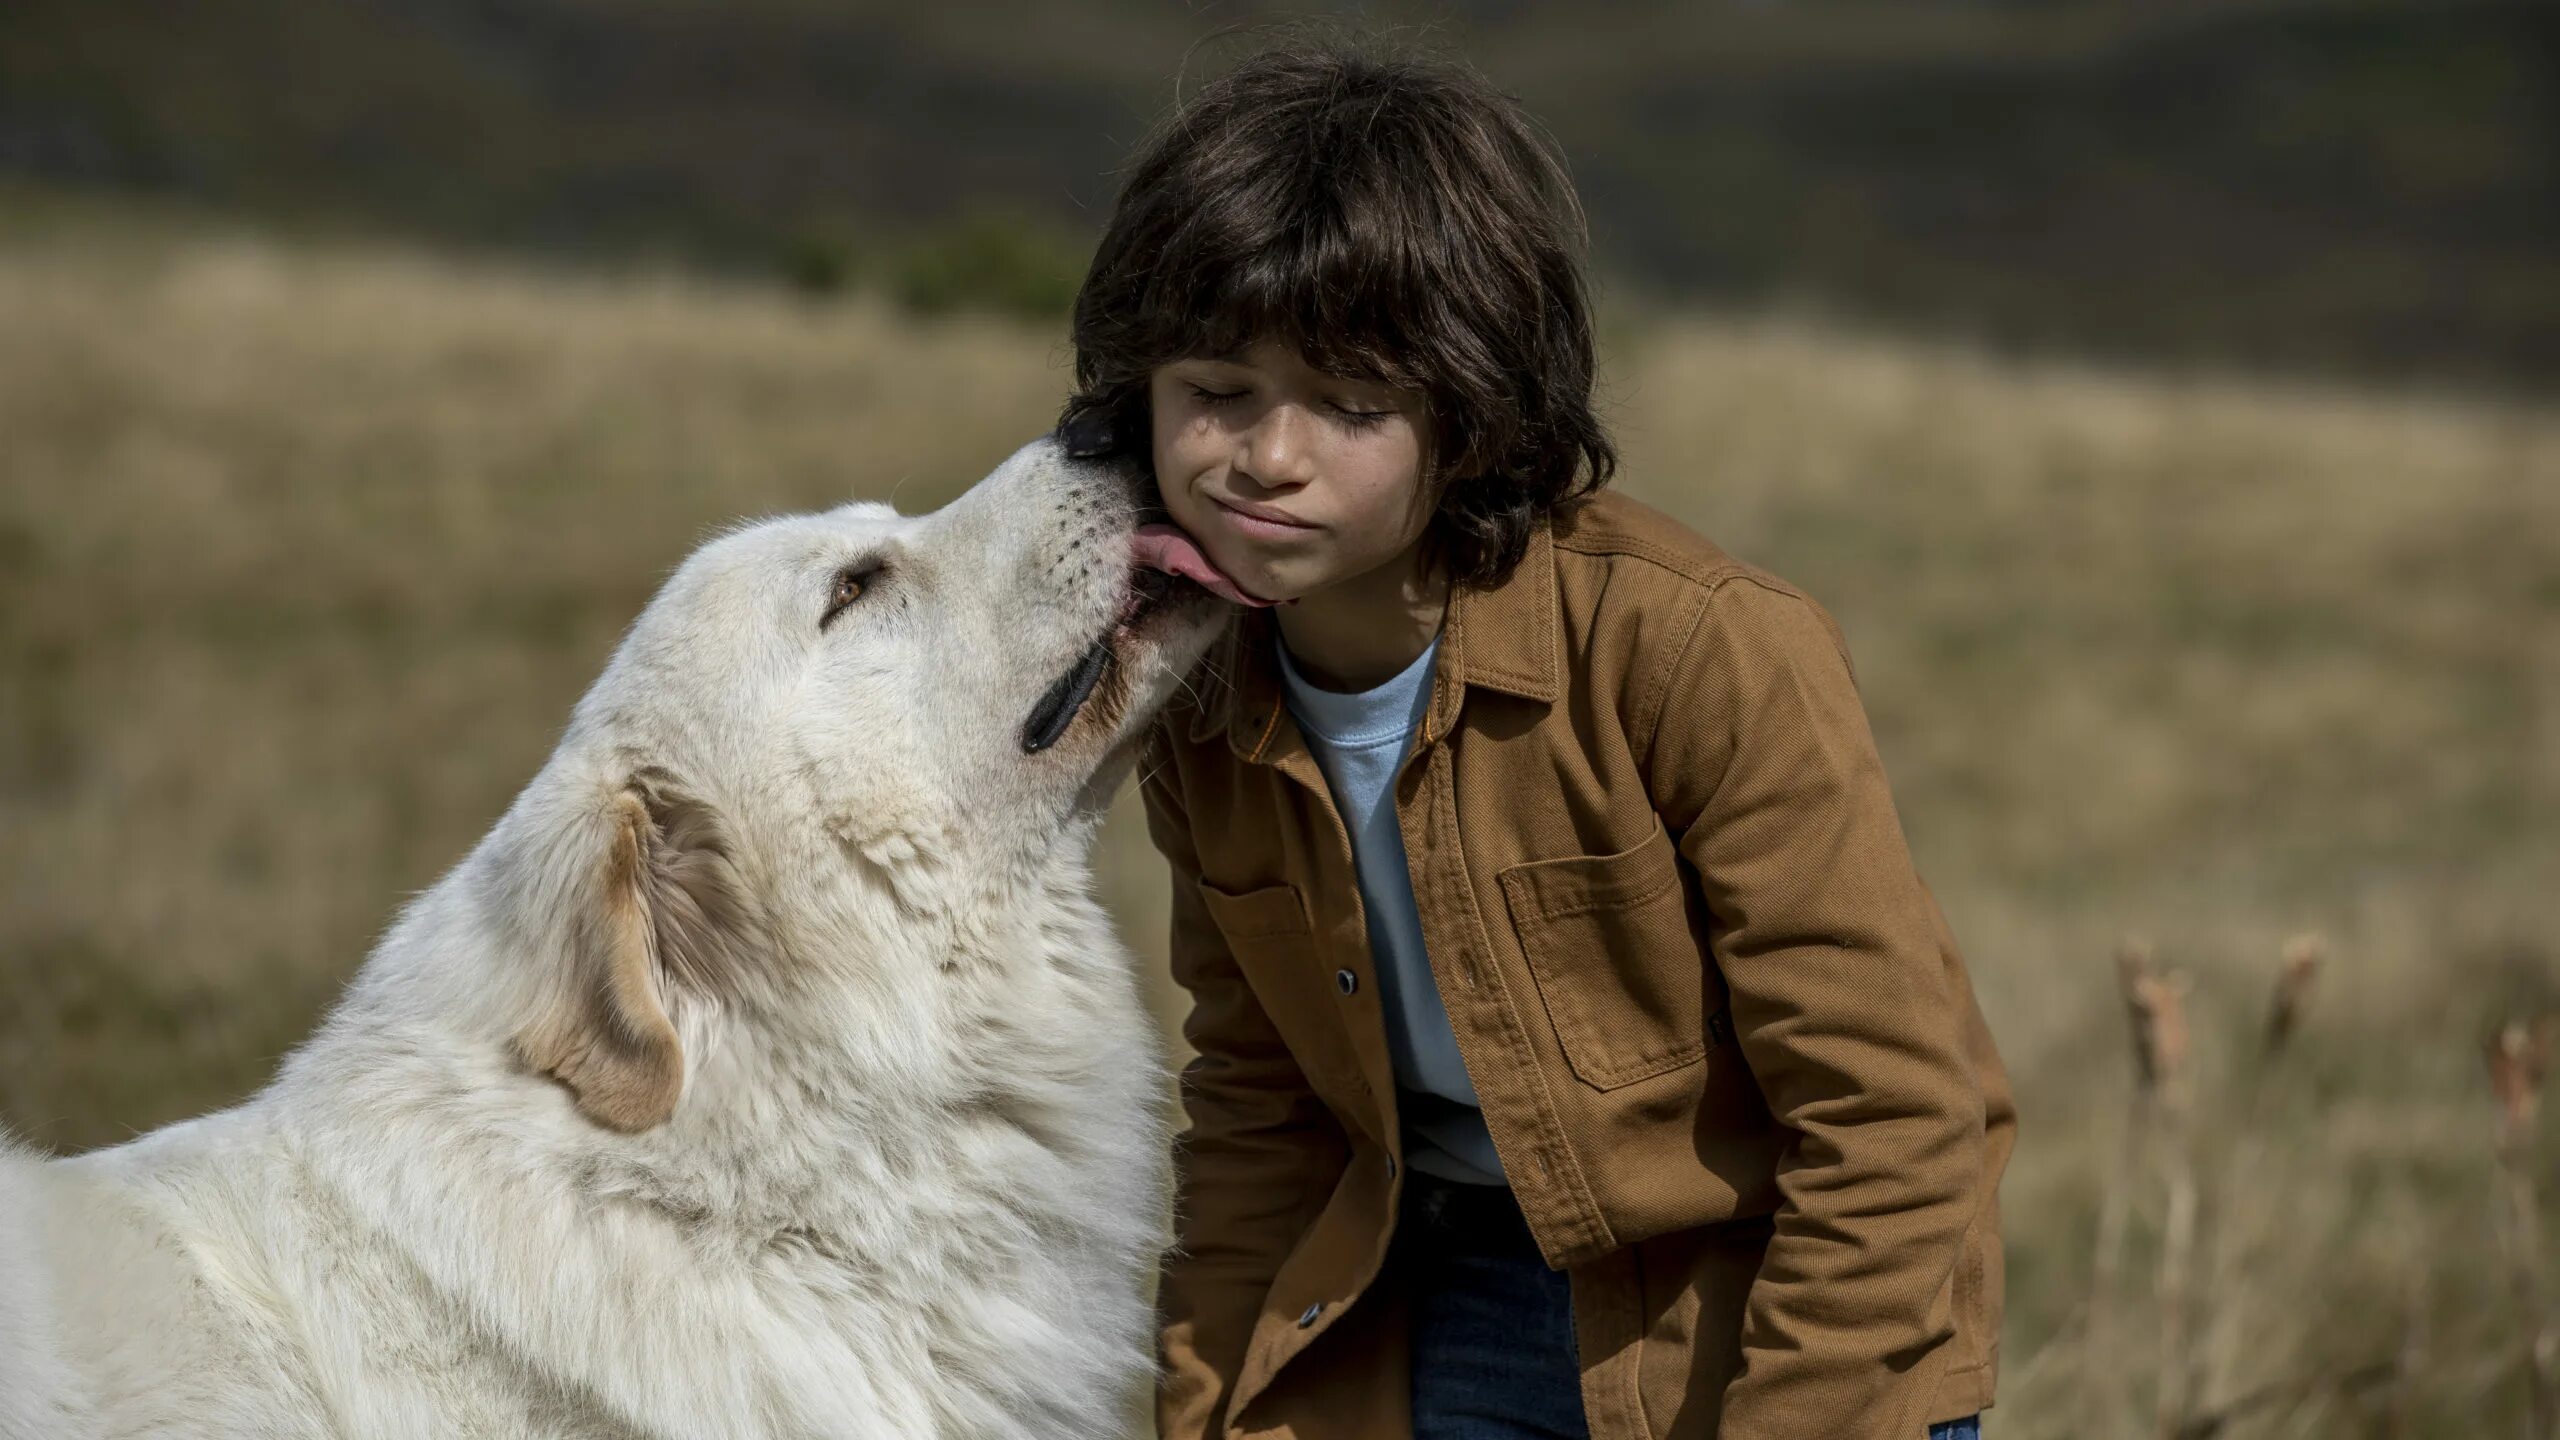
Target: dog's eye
{"x": 850, "y": 582}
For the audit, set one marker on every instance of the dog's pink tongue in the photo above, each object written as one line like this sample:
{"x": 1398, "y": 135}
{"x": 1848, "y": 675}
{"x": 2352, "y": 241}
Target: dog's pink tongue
{"x": 1166, "y": 548}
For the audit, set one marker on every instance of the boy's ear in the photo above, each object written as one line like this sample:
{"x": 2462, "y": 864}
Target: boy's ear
{"x": 664, "y": 911}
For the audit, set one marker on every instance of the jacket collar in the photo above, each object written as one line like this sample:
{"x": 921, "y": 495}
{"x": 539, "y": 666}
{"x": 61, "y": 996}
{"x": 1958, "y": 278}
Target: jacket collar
{"x": 1501, "y": 638}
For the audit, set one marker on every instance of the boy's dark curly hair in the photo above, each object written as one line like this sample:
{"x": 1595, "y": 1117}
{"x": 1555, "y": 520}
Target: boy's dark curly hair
{"x": 1395, "y": 218}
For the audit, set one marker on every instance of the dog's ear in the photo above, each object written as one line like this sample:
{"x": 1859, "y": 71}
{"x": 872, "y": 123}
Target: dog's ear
{"x": 667, "y": 913}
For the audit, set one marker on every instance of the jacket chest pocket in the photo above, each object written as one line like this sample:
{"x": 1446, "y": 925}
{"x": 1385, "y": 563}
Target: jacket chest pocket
{"x": 1626, "y": 982}
{"x": 1273, "y": 912}
{"x": 1274, "y": 945}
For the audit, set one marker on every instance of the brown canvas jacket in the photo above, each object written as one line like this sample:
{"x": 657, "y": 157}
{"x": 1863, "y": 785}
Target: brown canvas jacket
{"x": 1725, "y": 1044}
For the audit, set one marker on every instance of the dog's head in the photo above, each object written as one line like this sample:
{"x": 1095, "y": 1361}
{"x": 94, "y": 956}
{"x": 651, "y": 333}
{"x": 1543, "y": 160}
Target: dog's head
{"x": 826, "y": 717}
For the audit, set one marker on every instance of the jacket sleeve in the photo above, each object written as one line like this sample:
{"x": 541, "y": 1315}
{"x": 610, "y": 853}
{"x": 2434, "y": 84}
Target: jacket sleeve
{"x": 1258, "y": 1156}
{"x": 1845, "y": 1010}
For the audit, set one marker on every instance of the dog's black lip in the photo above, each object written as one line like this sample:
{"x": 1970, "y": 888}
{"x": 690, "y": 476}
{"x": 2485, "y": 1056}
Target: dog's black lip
{"x": 1065, "y": 697}
{"x": 1151, "y": 590}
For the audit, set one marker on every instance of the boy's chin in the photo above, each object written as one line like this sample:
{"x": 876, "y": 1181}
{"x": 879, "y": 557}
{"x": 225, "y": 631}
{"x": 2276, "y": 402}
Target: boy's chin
{"x": 1277, "y": 589}
{"x": 1262, "y": 584}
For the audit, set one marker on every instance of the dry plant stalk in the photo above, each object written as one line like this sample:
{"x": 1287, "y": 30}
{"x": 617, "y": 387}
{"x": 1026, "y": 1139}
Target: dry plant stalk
{"x": 2155, "y": 1141}
{"x": 2233, "y": 1227}
{"x": 2295, "y": 972}
{"x": 2159, "y": 1007}
{"x": 2197, "y": 1398}
{"x": 2156, "y": 1004}
{"x": 2105, "y": 1384}
{"x": 2519, "y": 1055}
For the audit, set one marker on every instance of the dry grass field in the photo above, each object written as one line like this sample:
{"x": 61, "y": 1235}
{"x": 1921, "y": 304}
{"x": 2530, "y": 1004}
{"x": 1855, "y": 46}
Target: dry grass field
{"x": 305, "y": 551}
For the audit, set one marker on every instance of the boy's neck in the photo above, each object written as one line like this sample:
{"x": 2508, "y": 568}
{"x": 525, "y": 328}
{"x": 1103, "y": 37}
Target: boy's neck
{"x": 1359, "y": 633}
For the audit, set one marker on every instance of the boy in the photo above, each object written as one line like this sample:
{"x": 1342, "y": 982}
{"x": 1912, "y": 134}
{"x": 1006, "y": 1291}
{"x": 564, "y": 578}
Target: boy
{"x": 1579, "y": 1053}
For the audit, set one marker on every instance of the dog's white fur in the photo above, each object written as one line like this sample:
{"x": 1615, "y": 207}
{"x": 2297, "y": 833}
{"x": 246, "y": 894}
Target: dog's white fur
{"x": 769, "y": 1069}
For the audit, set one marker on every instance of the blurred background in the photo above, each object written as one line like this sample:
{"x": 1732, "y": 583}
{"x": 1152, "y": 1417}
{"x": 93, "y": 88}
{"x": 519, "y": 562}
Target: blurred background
{"x": 2159, "y": 392}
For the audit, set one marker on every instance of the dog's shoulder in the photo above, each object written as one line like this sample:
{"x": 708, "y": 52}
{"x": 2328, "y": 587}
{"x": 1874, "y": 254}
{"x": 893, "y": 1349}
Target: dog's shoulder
{"x": 39, "y": 1393}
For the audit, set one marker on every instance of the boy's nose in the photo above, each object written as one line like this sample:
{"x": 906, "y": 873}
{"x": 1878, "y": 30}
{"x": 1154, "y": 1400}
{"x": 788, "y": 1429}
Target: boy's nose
{"x": 1275, "y": 451}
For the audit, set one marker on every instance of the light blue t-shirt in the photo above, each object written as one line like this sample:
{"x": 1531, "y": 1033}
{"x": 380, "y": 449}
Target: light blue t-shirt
{"x": 1359, "y": 740}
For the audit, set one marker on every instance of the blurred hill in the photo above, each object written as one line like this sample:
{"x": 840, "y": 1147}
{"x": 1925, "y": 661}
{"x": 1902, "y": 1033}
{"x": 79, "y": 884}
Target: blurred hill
{"x": 2362, "y": 185}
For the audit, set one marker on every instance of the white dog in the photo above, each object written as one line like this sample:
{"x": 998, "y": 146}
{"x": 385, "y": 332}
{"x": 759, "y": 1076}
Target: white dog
{"x": 769, "y": 1069}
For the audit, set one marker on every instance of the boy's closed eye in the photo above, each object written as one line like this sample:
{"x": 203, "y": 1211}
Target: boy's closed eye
{"x": 1357, "y": 416}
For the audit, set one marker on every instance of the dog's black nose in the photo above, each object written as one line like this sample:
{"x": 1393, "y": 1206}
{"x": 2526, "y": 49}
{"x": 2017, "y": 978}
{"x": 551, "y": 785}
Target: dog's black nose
{"x": 1089, "y": 436}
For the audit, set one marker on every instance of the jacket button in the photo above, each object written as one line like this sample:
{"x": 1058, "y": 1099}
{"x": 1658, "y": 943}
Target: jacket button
{"x": 1345, "y": 981}
{"x": 1308, "y": 1316}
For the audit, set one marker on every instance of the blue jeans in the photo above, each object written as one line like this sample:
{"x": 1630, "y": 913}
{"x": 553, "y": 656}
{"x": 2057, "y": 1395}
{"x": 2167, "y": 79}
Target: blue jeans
{"x": 1493, "y": 1347}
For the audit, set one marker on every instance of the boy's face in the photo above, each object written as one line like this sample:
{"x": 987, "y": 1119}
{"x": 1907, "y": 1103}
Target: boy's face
{"x": 1291, "y": 479}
